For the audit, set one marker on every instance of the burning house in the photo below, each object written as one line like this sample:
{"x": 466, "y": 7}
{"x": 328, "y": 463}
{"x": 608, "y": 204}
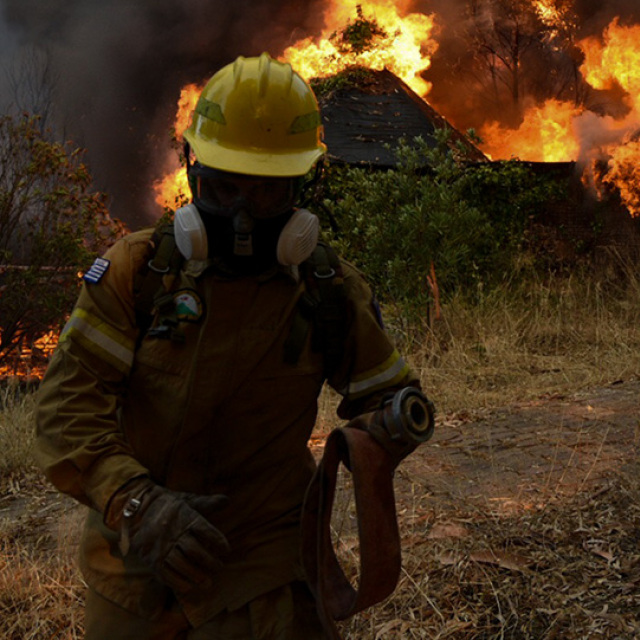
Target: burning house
{"x": 567, "y": 105}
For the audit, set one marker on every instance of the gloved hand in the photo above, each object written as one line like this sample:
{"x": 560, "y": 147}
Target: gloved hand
{"x": 170, "y": 531}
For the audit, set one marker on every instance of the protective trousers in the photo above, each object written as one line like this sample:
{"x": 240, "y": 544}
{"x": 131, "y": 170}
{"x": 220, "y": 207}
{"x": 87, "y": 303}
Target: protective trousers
{"x": 286, "y": 613}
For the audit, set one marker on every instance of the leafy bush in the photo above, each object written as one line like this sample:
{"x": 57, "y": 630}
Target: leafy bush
{"x": 469, "y": 221}
{"x": 360, "y": 35}
{"x": 51, "y": 226}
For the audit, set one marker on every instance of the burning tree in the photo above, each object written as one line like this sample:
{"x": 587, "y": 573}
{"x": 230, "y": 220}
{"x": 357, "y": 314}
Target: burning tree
{"x": 522, "y": 49}
{"x": 375, "y": 35}
{"x": 51, "y": 226}
{"x": 358, "y": 36}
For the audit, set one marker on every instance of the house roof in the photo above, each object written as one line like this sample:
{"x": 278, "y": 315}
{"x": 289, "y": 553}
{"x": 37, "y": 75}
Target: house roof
{"x": 379, "y": 109}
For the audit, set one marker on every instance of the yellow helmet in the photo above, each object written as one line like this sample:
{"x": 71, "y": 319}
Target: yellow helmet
{"x": 257, "y": 116}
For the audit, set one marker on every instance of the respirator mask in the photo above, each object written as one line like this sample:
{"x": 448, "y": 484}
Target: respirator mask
{"x": 249, "y": 222}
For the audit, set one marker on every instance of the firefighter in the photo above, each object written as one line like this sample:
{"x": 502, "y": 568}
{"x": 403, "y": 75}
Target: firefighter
{"x": 184, "y": 428}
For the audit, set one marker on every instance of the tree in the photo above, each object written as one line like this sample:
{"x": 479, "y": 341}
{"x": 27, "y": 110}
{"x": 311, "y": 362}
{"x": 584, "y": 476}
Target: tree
{"x": 31, "y": 83}
{"x": 51, "y": 226}
{"x": 522, "y": 49}
{"x": 358, "y": 36}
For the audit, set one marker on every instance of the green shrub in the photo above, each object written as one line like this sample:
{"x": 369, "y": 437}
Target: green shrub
{"x": 469, "y": 221}
{"x": 52, "y": 224}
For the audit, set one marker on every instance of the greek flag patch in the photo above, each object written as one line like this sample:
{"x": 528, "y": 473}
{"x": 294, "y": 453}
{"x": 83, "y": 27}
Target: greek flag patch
{"x": 97, "y": 270}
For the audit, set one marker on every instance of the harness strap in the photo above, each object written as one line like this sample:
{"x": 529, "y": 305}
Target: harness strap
{"x": 323, "y": 306}
{"x": 380, "y": 557}
{"x": 150, "y": 293}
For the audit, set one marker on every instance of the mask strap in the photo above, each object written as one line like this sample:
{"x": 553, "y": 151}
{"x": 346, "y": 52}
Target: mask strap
{"x": 187, "y": 156}
{"x": 191, "y": 179}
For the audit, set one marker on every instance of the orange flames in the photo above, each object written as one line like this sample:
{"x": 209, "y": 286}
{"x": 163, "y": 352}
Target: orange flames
{"x": 559, "y": 131}
{"x": 615, "y": 61}
{"x": 173, "y": 190}
{"x": 548, "y": 12}
{"x": 546, "y": 135}
{"x": 624, "y": 173}
{"x": 28, "y": 362}
{"x": 405, "y": 47}
{"x": 403, "y": 42}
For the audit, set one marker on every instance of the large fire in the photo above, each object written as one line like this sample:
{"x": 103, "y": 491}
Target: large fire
{"x": 546, "y": 135}
{"x": 386, "y": 34}
{"x": 559, "y": 131}
{"x": 404, "y": 44}
{"x": 617, "y": 60}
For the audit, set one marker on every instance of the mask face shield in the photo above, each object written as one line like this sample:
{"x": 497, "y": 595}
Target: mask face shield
{"x": 223, "y": 193}
{"x": 250, "y": 223}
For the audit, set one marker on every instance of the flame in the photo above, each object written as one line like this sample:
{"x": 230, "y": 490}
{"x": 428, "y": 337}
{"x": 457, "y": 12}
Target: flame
{"x": 405, "y": 48}
{"x": 557, "y": 16}
{"x": 173, "y": 190}
{"x": 545, "y": 135}
{"x": 560, "y": 131}
{"x": 624, "y": 173}
{"x": 616, "y": 60}
{"x": 548, "y": 12}
{"x": 30, "y": 360}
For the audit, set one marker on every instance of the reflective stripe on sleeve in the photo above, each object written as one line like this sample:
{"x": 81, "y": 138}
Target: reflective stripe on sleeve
{"x": 390, "y": 372}
{"x": 99, "y": 338}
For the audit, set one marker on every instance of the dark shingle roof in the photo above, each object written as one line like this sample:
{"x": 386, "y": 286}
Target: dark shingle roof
{"x": 360, "y": 119}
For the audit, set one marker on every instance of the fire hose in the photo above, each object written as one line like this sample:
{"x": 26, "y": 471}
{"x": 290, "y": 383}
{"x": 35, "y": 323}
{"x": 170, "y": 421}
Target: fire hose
{"x": 370, "y": 447}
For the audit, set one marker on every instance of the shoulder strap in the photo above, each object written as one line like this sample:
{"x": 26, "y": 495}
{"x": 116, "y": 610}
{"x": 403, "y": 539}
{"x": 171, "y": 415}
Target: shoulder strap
{"x": 322, "y": 307}
{"x": 149, "y": 291}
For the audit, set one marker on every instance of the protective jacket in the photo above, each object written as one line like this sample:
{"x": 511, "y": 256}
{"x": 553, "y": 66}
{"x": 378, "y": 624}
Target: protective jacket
{"x": 219, "y": 412}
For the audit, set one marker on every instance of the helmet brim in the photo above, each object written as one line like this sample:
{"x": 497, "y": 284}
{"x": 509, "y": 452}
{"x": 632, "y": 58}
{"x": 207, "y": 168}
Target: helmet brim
{"x": 255, "y": 162}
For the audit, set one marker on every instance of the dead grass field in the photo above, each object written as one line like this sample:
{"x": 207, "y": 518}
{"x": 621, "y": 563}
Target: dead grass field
{"x": 520, "y": 519}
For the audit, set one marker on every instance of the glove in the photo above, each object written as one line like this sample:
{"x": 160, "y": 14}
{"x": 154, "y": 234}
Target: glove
{"x": 169, "y": 530}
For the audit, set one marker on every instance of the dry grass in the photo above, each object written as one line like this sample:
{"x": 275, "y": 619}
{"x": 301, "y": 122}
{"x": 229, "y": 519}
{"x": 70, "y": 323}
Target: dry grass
{"x": 41, "y": 591}
{"x": 566, "y": 569}
{"x": 40, "y": 595}
{"x": 518, "y": 343}
{"x": 16, "y": 432}
{"x": 569, "y": 570}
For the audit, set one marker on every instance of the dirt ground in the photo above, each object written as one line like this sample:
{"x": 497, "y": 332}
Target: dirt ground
{"x": 526, "y": 453}
{"x": 484, "y": 481}
{"x": 508, "y": 459}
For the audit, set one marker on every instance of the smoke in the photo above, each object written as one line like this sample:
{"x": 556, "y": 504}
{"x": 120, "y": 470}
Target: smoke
{"x": 108, "y": 72}
{"x": 116, "y": 69}
{"x": 597, "y": 133}
{"x": 595, "y": 15}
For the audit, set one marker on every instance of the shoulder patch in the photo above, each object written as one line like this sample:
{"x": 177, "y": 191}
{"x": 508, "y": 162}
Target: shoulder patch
{"x": 97, "y": 270}
{"x": 189, "y": 306}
